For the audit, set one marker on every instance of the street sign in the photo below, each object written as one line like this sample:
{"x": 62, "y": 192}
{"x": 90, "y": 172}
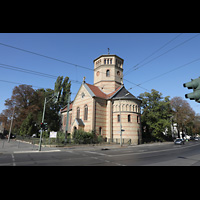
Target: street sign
{"x": 120, "y": 131}
{"x": 53, "y": 134}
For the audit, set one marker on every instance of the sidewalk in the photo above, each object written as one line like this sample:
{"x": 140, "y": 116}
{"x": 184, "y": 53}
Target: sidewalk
{"x": 17, "y": 146}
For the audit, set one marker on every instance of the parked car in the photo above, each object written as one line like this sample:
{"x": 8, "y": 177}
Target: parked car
{"x": 179, "y": 141}
{"x": 192, "y": 138}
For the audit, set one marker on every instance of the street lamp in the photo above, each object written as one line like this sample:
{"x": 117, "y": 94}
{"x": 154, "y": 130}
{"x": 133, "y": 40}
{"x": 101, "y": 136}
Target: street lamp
{"x": 57, "y": 95}
{"x": 11, "y": 125}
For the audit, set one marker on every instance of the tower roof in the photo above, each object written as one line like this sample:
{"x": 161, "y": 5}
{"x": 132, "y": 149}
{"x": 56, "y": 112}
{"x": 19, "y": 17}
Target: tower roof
{"x": 108, "y": 55}
{"x": 124, "y": 94}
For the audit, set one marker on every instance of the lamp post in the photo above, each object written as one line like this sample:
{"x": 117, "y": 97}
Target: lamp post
{"x": 11, "y": 125}
{"x": 57, "y": 95}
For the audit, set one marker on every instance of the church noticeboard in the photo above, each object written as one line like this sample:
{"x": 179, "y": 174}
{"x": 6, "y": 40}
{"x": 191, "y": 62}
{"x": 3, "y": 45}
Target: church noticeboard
{"x": 53, "y": 134}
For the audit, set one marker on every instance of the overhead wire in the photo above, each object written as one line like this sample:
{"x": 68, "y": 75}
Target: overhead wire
{"x": 66, "y": 62}
{"x": 10, "y": 67}
{"x": 48, "y": 57}
{"x": 180, "y": 44}
{"x": 18, "y": 83}
{"x": 181, "y": 66}
{"x": 174, "y": 38}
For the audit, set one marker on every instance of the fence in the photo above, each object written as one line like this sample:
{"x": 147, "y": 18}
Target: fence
{"x": 60, "y": 142}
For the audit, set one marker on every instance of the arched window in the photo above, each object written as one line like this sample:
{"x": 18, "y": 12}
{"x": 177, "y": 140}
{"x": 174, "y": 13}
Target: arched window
{"x": 85, "y": 112}
{"x": 100, "y": 130}
{"x": 129, "y": 118}
{"x": 136, "y": 108}
{"x": 78, "y": 113}
{"x": 107, "y": 73}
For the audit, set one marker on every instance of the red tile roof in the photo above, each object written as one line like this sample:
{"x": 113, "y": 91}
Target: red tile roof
{"x": 98, "y": 93}
{"x": 65, "y": 108}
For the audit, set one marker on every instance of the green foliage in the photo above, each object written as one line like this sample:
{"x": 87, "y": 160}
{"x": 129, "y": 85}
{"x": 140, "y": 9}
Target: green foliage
{"x": 28, "y": 127}
{"x": 80, "y": 136}
{"x": 30, "y": 104}
{"x": 62, "y": 87}
{"x": 156, "y": 113}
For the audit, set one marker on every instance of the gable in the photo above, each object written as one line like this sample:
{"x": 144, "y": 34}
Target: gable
{"x": 83, "y": 90}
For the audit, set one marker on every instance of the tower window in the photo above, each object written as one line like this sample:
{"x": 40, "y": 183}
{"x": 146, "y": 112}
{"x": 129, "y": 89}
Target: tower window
{"x": 111, "y": 61}
{"x": 107, "y": 73}
{"x": 108, "y": 61}
{"x": 104, "y": 61}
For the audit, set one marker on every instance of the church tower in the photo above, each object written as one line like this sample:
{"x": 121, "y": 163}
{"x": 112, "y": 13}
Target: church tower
{"x": 108, "y": 72}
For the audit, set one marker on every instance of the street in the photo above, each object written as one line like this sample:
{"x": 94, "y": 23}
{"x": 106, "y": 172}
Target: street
{"x": 157, "y": 154}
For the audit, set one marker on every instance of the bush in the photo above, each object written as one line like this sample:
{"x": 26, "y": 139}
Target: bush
{"x": 82, "y": 137}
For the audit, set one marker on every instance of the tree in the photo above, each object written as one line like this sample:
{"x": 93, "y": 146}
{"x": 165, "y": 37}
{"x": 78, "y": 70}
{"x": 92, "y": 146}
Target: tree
{"x": 29, "y": 105}
{"x": 28, "y": 127}
{"x": 62, "y": 87}
{"x": 23, "y": 98}
{"x": 183, "y": 114}
{"x": 196, "y": 125}
{"x": 156, "y": 113}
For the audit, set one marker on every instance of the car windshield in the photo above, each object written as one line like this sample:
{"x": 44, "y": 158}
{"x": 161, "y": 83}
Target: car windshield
{"x": 178, "y": 140}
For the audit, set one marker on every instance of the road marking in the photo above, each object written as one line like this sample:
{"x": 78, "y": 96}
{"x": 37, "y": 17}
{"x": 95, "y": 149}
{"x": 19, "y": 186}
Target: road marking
{"x": 173, "y": 149}
{"x": 13, "y": 159}
{"x": 101, "y": 154}
{"x": 108, "y": 161}
{"x": 56, "y": 150}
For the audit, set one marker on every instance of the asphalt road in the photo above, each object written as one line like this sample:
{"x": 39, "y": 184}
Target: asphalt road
{"x": 160, "y": 154}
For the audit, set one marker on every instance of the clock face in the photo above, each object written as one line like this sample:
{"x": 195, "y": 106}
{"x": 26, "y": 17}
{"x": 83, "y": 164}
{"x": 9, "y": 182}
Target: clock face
{"x": 98, "y": 73}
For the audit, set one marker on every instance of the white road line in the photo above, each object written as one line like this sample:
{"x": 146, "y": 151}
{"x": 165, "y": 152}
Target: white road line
{"x": 57, "y": 150}
{"x": 146, "y": 152}
{"x": 13, "y": 159}
{"x": 93, "y": 152}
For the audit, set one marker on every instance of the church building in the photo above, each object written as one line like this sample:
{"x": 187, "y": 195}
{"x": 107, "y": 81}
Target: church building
{"x": 101, "y": 106}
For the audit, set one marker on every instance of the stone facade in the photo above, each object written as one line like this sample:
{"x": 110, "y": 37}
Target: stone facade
{"x": 101, "y": 106}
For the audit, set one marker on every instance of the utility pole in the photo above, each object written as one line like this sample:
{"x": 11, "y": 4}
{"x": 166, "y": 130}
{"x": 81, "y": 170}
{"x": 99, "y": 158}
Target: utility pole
{"x": 41, "y": 130}
{"x": 67, "y": 122}
{"x": 121, "y": 117}
{"x": 57, "y": 95}
{"x": 11, "y": 125}
{"x": 120, "y": 122}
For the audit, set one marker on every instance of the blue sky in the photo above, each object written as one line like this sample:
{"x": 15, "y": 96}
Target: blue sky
{"x": 83, "y": 48}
